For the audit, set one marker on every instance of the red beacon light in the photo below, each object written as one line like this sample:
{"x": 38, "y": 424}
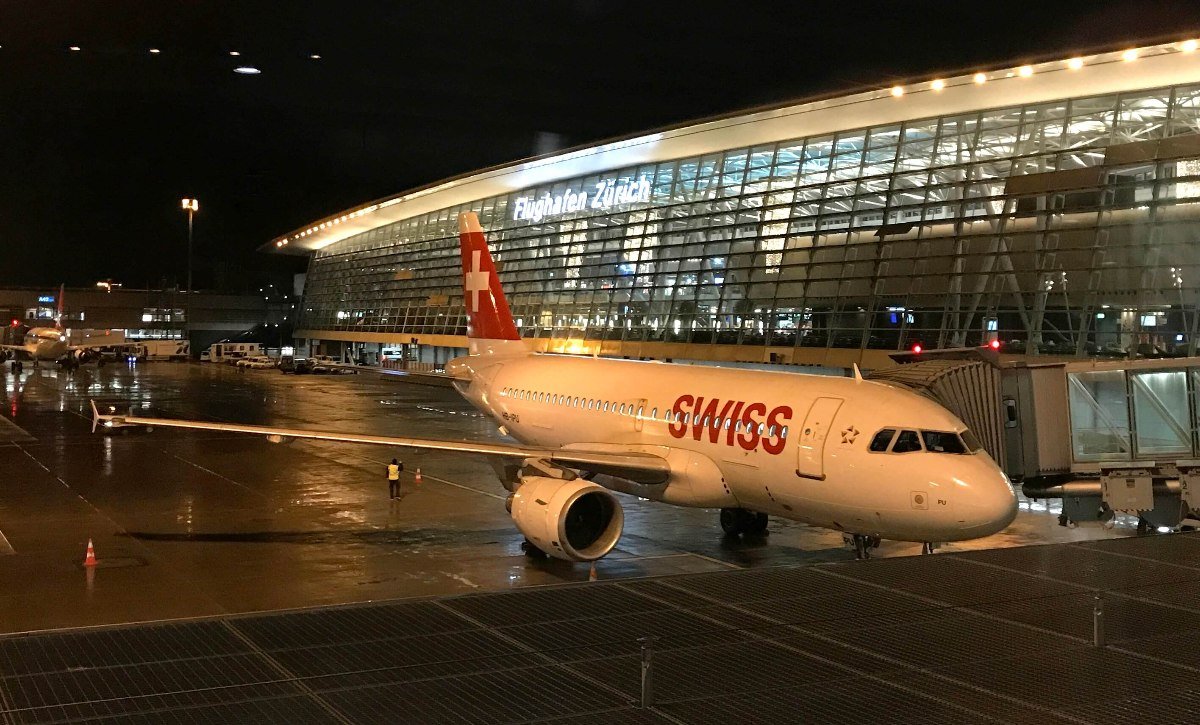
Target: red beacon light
{"x": 994, "y": 344}
{"x": 917, "y": 348}
{"x": 15, "y": 322}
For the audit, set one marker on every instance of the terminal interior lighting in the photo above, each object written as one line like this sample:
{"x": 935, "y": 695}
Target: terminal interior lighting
{"x": 155, "y": 51}
{"x": 74, "y": 49}
{"x": 247, "y": 70}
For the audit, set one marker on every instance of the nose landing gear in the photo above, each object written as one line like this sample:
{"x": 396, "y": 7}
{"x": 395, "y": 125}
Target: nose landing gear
{"x": 862, "y": 544}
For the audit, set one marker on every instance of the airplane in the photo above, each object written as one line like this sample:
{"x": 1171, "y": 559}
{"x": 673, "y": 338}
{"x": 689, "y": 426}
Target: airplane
{"x": 864, "y": 458}
{"x": 48, "y": 343}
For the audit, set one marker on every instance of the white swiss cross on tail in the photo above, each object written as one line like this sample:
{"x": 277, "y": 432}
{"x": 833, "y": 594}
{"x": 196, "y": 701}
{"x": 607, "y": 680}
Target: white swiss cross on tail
{"x": 476, "y": 280}
{"x": 488, "y": 317}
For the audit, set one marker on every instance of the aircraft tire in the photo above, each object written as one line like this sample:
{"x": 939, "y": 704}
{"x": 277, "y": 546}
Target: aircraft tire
{"x": 737, "y": 521}
{"x": 758, "y": 524}
{"x": 532, "y": 551}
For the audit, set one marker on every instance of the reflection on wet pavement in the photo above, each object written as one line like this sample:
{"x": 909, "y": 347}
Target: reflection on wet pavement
{"x": 231, "y": 523}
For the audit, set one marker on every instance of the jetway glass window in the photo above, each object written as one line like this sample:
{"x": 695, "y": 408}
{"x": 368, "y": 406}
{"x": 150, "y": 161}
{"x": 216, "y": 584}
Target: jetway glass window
{"x": 1099, "y": 416}
{"x": 1162, "y": 422}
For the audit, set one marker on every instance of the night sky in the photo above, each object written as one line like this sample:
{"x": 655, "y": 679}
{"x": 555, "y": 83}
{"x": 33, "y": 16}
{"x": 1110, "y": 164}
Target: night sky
{"x": 98, "y": 146}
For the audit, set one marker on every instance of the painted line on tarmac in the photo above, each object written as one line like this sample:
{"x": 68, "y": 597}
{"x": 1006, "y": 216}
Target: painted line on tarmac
{"x": 218, "y": 475}
{"x": 432, "y": 478}
{"x": 5, "y": 547}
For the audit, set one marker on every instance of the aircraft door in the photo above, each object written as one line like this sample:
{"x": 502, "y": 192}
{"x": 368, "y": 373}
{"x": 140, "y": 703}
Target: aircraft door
{"x": 639, "y": 411}
{"x": 810, "y": 451}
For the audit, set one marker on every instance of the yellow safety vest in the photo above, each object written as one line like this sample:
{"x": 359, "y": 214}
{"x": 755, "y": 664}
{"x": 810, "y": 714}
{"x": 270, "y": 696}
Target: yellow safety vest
{"x": 393, "y": 472}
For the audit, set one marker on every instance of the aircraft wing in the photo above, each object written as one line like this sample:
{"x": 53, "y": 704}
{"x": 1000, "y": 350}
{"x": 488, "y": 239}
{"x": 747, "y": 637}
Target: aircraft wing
{"x": 391, "y": 373}
{"x": 638, "y": 467}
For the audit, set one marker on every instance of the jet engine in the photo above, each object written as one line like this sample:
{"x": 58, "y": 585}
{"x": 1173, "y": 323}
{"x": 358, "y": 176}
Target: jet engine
{"x": 82, "y": 356}
{"x": 571, "y": 520}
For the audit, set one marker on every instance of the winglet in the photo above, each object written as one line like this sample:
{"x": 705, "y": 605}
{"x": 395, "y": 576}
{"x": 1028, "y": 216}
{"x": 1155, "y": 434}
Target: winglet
{"x": 488, "y": 316}
{"x": 95, "y": 415}
{"x": 858, "y": 378}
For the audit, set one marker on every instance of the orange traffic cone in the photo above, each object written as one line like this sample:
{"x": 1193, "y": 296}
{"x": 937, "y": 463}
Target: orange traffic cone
{"x": 89, "y": 559}
{"x": 417, "y": 477}
{"x": 592, "y": 572}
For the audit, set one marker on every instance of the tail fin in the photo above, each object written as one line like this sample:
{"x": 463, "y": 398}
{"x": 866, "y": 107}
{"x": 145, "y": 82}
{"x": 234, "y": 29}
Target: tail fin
{"x": 58, "y": 313}
{"x": 488, "y": 316}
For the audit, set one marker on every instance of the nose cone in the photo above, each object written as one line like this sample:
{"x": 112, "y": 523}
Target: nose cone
{"x": 987, "y": 503}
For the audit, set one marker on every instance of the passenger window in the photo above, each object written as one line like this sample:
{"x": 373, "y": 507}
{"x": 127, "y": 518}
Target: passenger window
{"x": 761, "y": 427}
{"x": 728, "y": 422}
{"x": 879, "y": 443}
{"x": 907, "y": 442}
{"x": 771, "y": 432}
{"x": 783, "y": 433}
{"x": 654, "y": 414}
{"x": 641, "y": 410}
{"x": 942, "y": 442}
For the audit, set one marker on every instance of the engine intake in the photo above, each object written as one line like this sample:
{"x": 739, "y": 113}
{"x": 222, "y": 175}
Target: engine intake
{"x": 570, "y": 520}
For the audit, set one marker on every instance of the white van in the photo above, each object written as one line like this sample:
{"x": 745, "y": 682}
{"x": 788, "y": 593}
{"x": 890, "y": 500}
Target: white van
{"x": 231, "y": 352}
{"x": 166, "y": 349}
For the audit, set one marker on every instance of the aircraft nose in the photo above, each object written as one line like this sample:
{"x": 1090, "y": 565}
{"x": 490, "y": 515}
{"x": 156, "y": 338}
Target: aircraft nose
{"x": 990, "y": 503}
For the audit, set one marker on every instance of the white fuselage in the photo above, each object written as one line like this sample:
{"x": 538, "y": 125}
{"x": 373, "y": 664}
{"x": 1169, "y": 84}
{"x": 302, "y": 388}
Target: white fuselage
{"x": 784, "y": 444}
{"x": 45, "y": 343}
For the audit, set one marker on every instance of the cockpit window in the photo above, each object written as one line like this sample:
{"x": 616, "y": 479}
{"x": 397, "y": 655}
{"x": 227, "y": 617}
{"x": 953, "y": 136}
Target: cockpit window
{"x": 881, "y": 440}
{"x": 970, "y": 441}
{"x": 943, "y": 442}
{"x": 907, "y": 442}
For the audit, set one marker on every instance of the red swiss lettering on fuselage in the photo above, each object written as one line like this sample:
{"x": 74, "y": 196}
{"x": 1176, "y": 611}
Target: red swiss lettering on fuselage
{"x": 732, "y": 422}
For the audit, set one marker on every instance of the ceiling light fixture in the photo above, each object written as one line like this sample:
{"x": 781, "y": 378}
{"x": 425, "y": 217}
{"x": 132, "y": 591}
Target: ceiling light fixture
{"x": 247, "y": 70}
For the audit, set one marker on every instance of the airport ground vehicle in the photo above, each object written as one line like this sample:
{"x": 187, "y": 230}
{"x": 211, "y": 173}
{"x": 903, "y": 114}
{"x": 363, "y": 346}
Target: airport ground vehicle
{"x": 231, "y": 352}
{"x": 258, "y": 362}
{"x": 166, "y": 349}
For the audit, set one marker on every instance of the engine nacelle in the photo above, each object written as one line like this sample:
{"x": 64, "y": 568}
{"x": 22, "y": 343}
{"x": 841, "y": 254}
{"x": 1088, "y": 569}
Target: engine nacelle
{"x": 84, "y": 355}
{"x": 571, "y": 520}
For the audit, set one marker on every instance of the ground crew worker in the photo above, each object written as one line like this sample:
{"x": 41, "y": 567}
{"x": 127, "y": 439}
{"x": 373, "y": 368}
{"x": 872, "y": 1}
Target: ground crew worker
{"x": 393, "y": 472}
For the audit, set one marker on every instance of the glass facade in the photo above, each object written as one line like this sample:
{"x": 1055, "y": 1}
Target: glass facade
{"x": 1064, "y": 228}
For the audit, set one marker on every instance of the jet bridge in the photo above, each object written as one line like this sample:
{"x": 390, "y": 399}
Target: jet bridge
{"x": 1107, "y": 437}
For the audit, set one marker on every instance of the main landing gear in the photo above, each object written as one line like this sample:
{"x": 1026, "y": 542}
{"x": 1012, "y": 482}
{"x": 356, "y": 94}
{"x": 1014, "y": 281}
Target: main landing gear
{"x": 862, "y": 544}
{"x": 741, "y": 521}
{"x": 532, "y": 551}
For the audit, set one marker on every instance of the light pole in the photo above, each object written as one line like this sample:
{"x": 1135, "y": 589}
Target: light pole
{"x": 191, "y": 206}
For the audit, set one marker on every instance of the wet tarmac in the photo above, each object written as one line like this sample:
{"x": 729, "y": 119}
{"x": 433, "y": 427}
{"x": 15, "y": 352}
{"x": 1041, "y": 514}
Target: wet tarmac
{"x": 188, "y": 524}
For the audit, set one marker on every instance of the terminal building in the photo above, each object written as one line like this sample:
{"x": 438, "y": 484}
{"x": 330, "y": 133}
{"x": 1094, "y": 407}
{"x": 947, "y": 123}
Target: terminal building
{"x": 1052, "y": 209}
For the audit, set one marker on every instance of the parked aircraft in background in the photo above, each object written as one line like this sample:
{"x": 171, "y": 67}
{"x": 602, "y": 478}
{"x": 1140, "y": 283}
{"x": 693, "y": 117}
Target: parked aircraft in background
{"x": 49, "y": 344}
{"x": 864, "y": 458}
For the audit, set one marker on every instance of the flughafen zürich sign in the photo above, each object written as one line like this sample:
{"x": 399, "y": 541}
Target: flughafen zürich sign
{"x": 608, "y": 193}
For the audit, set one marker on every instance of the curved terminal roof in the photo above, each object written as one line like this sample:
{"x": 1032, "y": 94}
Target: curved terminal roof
{"x": 1110, "y": 72}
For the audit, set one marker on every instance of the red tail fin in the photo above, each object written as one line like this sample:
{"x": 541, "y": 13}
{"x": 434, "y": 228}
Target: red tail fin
{"x": 488, "y": 317}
